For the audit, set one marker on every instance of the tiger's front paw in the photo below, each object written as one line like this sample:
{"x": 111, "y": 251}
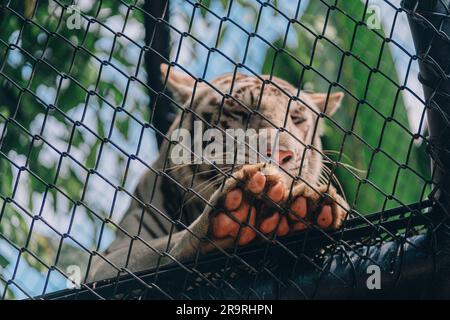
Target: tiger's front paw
{"x": 256, "y": 199}
{"x": 321, "y": 206}
{"x": 249, "y": 203}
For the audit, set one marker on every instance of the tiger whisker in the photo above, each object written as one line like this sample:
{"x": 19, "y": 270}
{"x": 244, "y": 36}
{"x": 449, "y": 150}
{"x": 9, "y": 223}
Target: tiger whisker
{"x": 212, "y": 181}
{"x": 346, "y": 165}
{"x": 334, "y": 178}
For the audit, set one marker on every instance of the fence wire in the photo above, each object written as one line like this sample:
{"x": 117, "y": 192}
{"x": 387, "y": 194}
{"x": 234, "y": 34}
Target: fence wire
{"x": 84, "y": 111}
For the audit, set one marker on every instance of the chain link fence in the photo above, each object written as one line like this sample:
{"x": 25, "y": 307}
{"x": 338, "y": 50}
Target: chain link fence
{"x": 90, "y": 209}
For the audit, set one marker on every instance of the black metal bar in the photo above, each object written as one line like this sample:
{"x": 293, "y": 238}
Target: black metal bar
{"x": 430, "y": 27}
{"x": 344, "y": 276}
{"x": 347, "y": 279}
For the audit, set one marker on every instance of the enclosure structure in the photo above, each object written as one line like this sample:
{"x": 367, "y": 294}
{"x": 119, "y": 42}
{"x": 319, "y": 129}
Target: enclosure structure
{"x": 83, "y": 106}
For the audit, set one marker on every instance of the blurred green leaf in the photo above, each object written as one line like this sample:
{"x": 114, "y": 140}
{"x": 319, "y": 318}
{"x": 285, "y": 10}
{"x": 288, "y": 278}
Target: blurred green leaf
{"x": 3, "y": 262}
{"x": 123, "y": 125}
{"x": 207, "y": 4}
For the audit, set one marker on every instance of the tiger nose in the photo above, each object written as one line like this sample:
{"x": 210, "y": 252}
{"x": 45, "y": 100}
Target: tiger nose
{"x": 282, "y": 156}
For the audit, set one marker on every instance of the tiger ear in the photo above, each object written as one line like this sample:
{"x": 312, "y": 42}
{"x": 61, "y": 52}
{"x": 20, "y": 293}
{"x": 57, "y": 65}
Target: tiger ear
{"x": 181, "y": 85}
{"x": 327, "y": 104}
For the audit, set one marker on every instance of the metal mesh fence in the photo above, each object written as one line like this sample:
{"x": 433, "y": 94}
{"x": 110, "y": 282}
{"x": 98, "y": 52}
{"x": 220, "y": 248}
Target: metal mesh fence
{"x": 84, "y": 109}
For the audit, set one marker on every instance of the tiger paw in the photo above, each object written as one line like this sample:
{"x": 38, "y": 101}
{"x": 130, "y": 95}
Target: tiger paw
{"x": 245, "y": 202}
{"x": 321, "y": 206}
{"x": 256, "y": 201}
